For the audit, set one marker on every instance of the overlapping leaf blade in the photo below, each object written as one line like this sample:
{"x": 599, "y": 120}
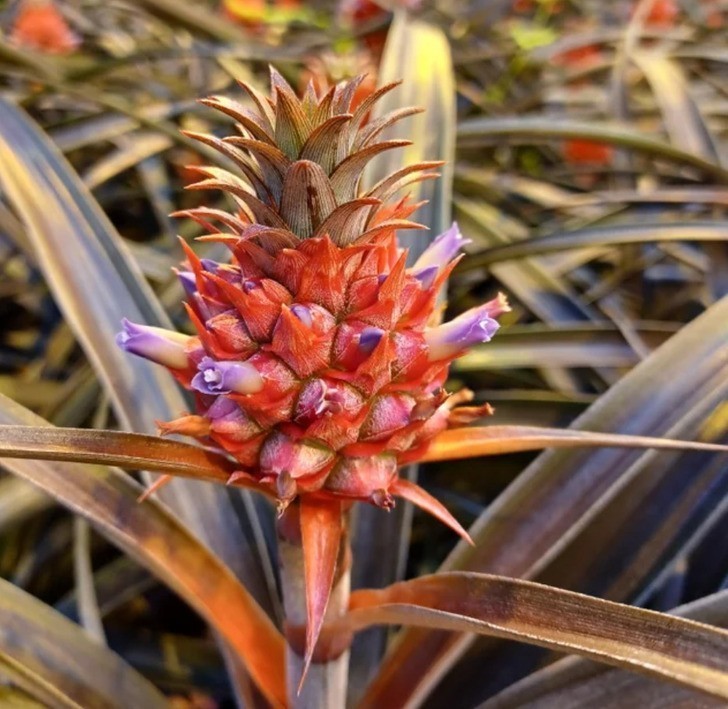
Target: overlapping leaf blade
{"x": 477, "y": 131}
{"x": 575, "y": 681}
{"x": 682, "y": 651}
{"x": 154, "y": 537}
{"x": 51, "y": 658}
{"x": 96, "y": 284}
{"x": 603, "y": 236}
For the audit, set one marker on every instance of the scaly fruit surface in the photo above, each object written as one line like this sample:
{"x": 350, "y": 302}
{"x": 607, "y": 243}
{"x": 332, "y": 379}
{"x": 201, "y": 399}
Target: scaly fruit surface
{"x": 318, "y": 362}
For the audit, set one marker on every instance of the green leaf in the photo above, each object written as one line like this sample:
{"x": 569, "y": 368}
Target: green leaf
{"x": 531, "y": 36}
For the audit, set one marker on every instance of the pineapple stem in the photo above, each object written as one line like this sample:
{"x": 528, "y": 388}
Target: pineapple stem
{"x": 326, "y": 681}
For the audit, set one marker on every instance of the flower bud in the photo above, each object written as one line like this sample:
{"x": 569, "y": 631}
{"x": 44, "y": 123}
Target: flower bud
{"x": 389, "y": 413}
{"x": 471, "y": 328}
{"x": 188, "y": 281}
{"x": 442, "y": 250}
{"x": 317, "y": 399}
{"x": 303, "y": 314}
{"x": 225, "y": 377}
{"x": 154, "y": 343}
{"x": 369, "y": 339}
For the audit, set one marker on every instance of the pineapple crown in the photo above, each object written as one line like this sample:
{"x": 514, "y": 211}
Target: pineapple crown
{"x": 301, "y": 161}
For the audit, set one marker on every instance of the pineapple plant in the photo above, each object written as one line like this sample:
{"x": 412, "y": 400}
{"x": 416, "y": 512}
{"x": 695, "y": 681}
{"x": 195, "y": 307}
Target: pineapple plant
{"x": 318, "y": 365}
{"x": 319, "y": 361}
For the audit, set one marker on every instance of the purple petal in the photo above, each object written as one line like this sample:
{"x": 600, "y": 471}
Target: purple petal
{"x": 317, "y": 399}
{"x": 303, "y": 314}
{"x": 154, "y": 343}
{"x": 209, "y": 265}
{"x": 426, "y": 276}
{"x": 442, "y": 250}
{"x": 224, "y": 377}
{"x": 229, "y": 420}
{"x": 222, "y": 409}
{"x": 189, "y": 282}
{"x": 473, "y": 327}
{"x": 369, "y": 339}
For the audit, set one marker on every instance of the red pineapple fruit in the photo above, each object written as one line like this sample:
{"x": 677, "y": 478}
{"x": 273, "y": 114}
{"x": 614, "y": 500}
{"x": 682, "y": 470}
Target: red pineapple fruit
{"x": 318, "y": 363}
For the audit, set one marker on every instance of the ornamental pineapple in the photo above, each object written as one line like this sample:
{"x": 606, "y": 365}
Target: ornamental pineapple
{"x": 318, "y": 362}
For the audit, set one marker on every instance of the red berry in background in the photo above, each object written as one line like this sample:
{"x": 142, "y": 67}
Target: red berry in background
{"x": 523, "y": 7}
{"x": 580, "y": 57}
{"x": 39, "y": 26}
{"x": 663, "y": 13}
{"x": 587, "y": 152}
{"x": 253, "y": 14}
{"x": 357, "y": 11}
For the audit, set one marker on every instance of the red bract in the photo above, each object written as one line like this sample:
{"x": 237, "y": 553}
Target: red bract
{"x": 317, "y": 363}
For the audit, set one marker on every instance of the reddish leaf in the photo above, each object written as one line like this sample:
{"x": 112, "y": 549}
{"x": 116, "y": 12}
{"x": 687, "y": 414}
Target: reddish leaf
{"x": 680, "y": 650}
{"x": 154, "y": 537}
{"x": 576, "y": 681}
{"x": 496, "y": 440}
{"x": 127, "y": 450}
{"x": 321, "y": 529}
{"x": 417, "y": 496}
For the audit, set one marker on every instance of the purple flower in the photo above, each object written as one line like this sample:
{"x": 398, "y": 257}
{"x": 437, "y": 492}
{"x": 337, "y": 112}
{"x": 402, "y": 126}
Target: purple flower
{"x": 426, "y": 276}
{"x": 442, "y": 250}
{"x": 471, "y": 328}
{"x": 154, "y": 343}
{"x": 222, "y": 409}
{"x": 209, "y": 265}
{"x": 369, "y": 339}
{"x": 188, "y": 281}
{"x": 318, "y": 399}
{"x": 303, "y": 314}
{"x": 225, "y": 377}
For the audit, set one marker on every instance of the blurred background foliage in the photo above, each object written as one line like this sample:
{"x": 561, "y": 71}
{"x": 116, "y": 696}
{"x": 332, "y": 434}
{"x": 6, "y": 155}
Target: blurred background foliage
{"x": 587, "y": 166}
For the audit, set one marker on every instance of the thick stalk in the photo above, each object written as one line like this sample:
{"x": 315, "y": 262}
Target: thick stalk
{"x": 326, "y": 683}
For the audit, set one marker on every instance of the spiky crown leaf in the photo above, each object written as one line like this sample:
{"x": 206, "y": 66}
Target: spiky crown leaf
{"x": 301, "y": 162}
